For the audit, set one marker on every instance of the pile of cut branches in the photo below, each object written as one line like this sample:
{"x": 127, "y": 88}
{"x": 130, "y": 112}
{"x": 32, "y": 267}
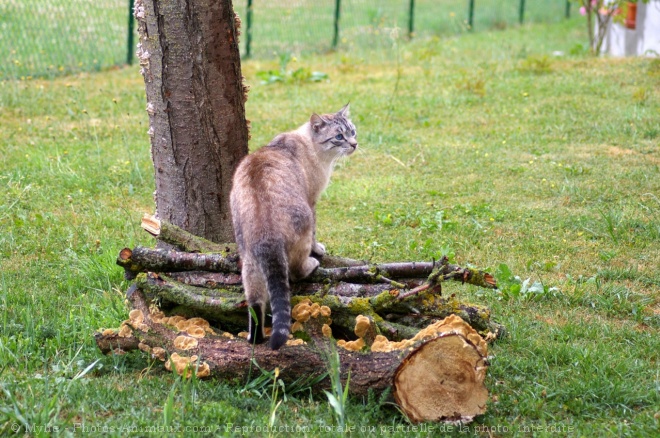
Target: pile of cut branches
{"x": 394, "y": 327}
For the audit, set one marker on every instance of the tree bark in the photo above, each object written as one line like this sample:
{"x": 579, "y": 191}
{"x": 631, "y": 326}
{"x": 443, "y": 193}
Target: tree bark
{"x": 190, "y": 61}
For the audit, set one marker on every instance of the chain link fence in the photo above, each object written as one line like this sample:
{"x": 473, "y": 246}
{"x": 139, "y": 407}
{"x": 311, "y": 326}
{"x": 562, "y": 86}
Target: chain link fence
{"x": 54, "y": 37}
{"x": 46, "y": 38}
{"x": 299, "y": 26}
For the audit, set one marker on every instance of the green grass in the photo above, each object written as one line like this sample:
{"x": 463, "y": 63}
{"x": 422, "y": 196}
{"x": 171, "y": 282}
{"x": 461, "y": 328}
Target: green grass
{"x": 485, "y": 146}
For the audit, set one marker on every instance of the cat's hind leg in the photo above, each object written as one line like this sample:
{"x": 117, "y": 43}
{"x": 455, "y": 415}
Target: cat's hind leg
{"x": 257, "y": 298}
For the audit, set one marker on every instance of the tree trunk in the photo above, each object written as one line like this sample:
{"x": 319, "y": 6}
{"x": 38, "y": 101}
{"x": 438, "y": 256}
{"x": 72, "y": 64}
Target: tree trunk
{"x": 190, "y": 61}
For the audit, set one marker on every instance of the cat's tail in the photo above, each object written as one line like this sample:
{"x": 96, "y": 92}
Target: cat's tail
{"x": 273, "y": 261}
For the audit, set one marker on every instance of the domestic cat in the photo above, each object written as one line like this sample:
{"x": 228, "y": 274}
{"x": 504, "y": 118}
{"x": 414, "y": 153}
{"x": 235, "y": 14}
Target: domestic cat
{"x": 273, "y": 201}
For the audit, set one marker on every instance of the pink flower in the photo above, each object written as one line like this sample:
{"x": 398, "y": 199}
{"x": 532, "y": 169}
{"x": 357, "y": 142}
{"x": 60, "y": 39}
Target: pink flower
{"x": 594, "y": 3}
{"x": 583, "y": 11}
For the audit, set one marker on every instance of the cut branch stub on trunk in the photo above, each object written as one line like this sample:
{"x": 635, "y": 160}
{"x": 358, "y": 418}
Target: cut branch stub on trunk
{"x": 449, "y": 352}
{"x": 178, "y": 237}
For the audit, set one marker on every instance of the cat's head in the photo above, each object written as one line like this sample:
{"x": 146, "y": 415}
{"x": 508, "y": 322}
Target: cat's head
{"x": 334, "y": 133}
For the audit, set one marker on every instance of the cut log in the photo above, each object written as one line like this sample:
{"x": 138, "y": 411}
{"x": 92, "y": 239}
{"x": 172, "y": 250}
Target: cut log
{"x": 188, "y": 242}
{"x": 437, "y": 375}
{"x": 442, "y": 380}
{"x": 142, "y": 259}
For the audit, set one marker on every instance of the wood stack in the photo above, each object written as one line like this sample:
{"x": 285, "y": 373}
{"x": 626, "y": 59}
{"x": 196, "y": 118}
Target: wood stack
{"x": 393, "y": 327}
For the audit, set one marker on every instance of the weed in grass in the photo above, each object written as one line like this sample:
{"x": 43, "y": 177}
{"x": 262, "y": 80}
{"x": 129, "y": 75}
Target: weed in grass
{"x": 252, "y": 314}
{"x": 284, "y": 75}
{"x": 473, "y": 85}
{"x": 168, "y": 408}
{"x": 651, "y": 133}
{"x": 612, "y": 223}
{"x": 536, "y": 64}
{"x": 513, "y": 287}
{"x": 579, "y": 50}
{"x": 653, "y": 67}
{"x": 338, "y": 395}
{"x": 606, "y": 256}
{"x": 274, "y": 404}
{"x": 641, "y": 95}
{"x": 258, "y": 386}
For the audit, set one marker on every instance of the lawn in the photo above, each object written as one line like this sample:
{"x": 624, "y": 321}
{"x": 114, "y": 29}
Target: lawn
{"x": 509, "y": 150}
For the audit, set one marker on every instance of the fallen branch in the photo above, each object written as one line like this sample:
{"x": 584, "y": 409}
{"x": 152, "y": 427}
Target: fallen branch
{"x": 143, "y": 259}
{"x": 180, "y": 238}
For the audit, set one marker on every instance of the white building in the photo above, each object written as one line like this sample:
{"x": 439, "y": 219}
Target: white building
{"x": 644, "y": 40}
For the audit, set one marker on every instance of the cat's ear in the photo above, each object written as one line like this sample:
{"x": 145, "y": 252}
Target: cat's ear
{"x": 345, "y": 111}
{"x": 316, "y": 122}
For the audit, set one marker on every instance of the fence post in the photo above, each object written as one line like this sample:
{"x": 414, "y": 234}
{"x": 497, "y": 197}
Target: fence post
{"x": 248, "y": 39}
{"x": 131, "y": 37}
{"x": 470, "y": 14}
{"x": 521, "y": 12}
{"x": 335, "y": 38}
{"x": 411, "y": 19}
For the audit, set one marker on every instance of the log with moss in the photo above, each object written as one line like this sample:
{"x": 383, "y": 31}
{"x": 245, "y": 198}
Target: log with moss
{"x": 438, "y": 374}
{"x": 196, "y": 253}
{"x": 397, "y": 314}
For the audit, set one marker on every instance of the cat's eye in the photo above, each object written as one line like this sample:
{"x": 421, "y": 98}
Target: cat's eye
{"x": 353, "y": 133}
{"x": 339, "y": 137}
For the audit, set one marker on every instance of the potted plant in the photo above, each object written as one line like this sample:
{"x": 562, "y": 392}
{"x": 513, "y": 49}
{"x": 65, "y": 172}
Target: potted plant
{"x": 631, "y": 14}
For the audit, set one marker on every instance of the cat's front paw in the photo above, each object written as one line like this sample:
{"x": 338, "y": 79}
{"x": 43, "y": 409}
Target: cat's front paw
{"x": 318, "y": 249}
